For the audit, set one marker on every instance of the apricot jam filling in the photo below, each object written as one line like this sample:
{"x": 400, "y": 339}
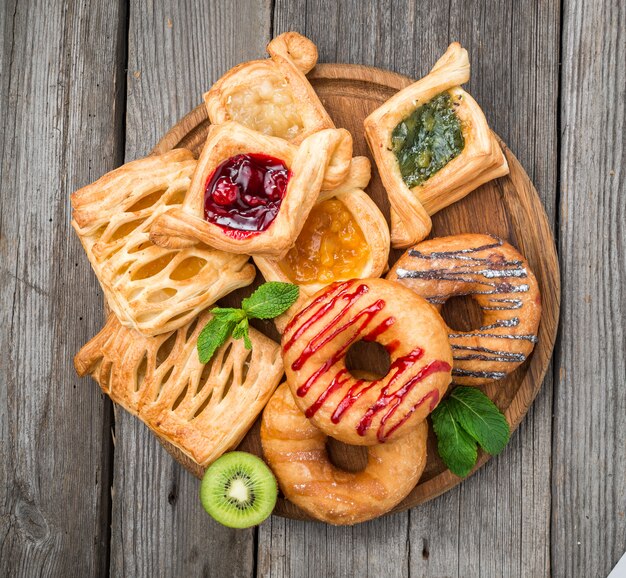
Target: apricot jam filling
{"x": 244, "y": 193}
{"x": 331, "y": 246}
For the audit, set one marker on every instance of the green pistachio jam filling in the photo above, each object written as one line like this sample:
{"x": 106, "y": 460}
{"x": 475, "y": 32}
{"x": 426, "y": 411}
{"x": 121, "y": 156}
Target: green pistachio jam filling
{"x": 427, "y": 140}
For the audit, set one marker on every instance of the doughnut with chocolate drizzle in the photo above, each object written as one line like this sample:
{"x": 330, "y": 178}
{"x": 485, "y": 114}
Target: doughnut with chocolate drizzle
{"x": 359, "y": 411}
{"x": 499, "y": 280}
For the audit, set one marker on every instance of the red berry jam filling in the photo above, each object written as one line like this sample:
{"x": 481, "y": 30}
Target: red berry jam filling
{"x": 244, "y": 193}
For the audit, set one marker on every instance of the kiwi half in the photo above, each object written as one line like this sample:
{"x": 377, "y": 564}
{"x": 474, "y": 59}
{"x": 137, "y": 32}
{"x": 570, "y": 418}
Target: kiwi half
{"x": 238, "y": 490}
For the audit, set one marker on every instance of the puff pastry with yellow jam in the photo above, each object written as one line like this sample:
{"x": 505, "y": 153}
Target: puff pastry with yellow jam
{"x": 272, "y": 96}
{"x": 344, "y": 237}
{"x": 150, "y": 288}
{"x": 251, "y": 193}
{"x": 203, "y": 410}
{"x": 432, "y": 146}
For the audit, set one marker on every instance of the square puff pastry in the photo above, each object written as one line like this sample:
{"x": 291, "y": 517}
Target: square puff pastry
{"x": 366, "y": 213}
{"x": 272, "y": 96}
{"x": 322, "y": 161}
{"x": 481, "y": 159}
{"x": 151, "y": 289}
{"x": 203, "y": 410}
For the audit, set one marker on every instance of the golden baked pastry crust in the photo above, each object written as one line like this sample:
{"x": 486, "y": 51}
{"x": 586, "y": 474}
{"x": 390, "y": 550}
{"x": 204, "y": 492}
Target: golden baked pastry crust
{"x": 151, "y": 289}
{"x": 498, "y": 278}
{"x": 203, "y": 410}
{"x": 356, "y": 411}
{"x": 480, "y": 160}
{"x": 365, "y": 212}
{"x": 271, "y": 86}
{"x": 322, "y": 161}
{"x": 296, "y": 451}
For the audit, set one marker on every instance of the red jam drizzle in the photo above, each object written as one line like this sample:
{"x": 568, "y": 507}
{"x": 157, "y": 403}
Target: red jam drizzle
{"x": 244, "y": 194}
{"x": 388, "y": 400}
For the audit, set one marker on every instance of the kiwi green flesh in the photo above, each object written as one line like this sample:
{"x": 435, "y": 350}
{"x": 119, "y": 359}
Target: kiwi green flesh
{"x": 238, "y": 490}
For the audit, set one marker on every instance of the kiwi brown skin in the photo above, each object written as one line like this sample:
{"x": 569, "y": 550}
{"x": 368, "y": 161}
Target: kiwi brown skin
{"x": 239, "y": 490}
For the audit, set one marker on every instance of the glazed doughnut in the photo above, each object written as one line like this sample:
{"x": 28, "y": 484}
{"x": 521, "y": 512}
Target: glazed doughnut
{"x": 499, "y": 279}
{"x": 359, "y": 411}
{"x": 296, "y": 451}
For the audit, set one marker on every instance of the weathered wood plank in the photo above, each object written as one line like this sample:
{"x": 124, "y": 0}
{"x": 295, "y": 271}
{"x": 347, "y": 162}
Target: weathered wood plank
{"x": 589, "y": 455}
{"x": 497, "y": 523}
{"x": 56, "y": 136}
{"x": 176, "y": 50}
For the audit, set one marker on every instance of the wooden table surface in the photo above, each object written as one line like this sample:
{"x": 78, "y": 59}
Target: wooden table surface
{"x": 87, "y": 491}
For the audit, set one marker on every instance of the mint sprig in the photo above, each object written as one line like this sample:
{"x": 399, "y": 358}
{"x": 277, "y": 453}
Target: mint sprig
{"x": 268, "y": 301}
{"x": 465, "y": 419}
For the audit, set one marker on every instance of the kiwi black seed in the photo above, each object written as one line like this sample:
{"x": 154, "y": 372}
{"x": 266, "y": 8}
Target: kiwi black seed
{"x": 238, "y": 490}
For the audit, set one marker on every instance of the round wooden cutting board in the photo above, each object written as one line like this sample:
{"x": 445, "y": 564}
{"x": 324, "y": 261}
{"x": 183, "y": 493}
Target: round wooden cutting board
{"x": 508, "y": 207}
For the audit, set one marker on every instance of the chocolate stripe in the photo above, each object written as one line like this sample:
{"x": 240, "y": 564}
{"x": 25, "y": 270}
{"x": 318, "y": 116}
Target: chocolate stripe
{"x": 531, "y": 338}
{"x": 479, "y": 374}
{"x": 491, "y": 354}
{"x": 515, "y": 304}
{"x": 453, "y": 254}
{"x": 519, "y": 357}
{"x": 513, "y": 322}
{"x": 443, "y": 274}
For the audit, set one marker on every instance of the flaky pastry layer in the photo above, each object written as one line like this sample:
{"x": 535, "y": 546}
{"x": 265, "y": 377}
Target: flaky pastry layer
{"x": 151, "y": 289}
{"x": 203, "y": 410}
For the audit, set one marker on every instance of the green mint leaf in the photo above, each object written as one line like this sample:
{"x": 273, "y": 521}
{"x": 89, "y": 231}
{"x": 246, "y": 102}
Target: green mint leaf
{"x": 241, "y": 331}
{"x": 480, "y": 418}
{"x": 213, "y": 336}
{"x": 270, "y": 300}
{"x": 228, "y": 314}
{"x": 456, "y": 447}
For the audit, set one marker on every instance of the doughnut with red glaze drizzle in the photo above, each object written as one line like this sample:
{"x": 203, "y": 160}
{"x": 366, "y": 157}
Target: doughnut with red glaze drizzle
{"x": 499, "y": 280}
{"x": 358, "y": 411}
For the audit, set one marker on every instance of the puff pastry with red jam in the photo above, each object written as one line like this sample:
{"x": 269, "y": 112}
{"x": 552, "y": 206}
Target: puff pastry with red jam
{"x": 251, "y": 193}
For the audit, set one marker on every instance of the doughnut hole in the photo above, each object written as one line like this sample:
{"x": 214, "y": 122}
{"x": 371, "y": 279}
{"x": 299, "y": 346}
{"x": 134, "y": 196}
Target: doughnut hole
{"x": 345, "y": 457}
{"x": 368, "y": 360}
{"x": 462, "y": 313}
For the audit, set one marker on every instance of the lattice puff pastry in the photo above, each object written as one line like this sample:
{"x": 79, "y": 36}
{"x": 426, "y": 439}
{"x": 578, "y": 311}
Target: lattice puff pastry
{"x": 150, "y": 289}
{"x": 272, "y": 96}
{"x": 322, "y": 161}
{"x": 203, "y": 410}
{"x": 366, "y": 213}
{"x": 481, "y": 159}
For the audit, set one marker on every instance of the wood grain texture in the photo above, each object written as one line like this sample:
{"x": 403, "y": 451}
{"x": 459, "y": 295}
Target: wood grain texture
{"x": 589, "y": 451}
{"x": 54, "y": 430}
{"x": 514, "y": 50}
{"x": 509, "y": 208}
{"x": 175, "y": 52}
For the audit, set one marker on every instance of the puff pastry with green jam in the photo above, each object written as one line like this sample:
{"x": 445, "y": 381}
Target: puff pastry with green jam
{"x": 432, "y": 146}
